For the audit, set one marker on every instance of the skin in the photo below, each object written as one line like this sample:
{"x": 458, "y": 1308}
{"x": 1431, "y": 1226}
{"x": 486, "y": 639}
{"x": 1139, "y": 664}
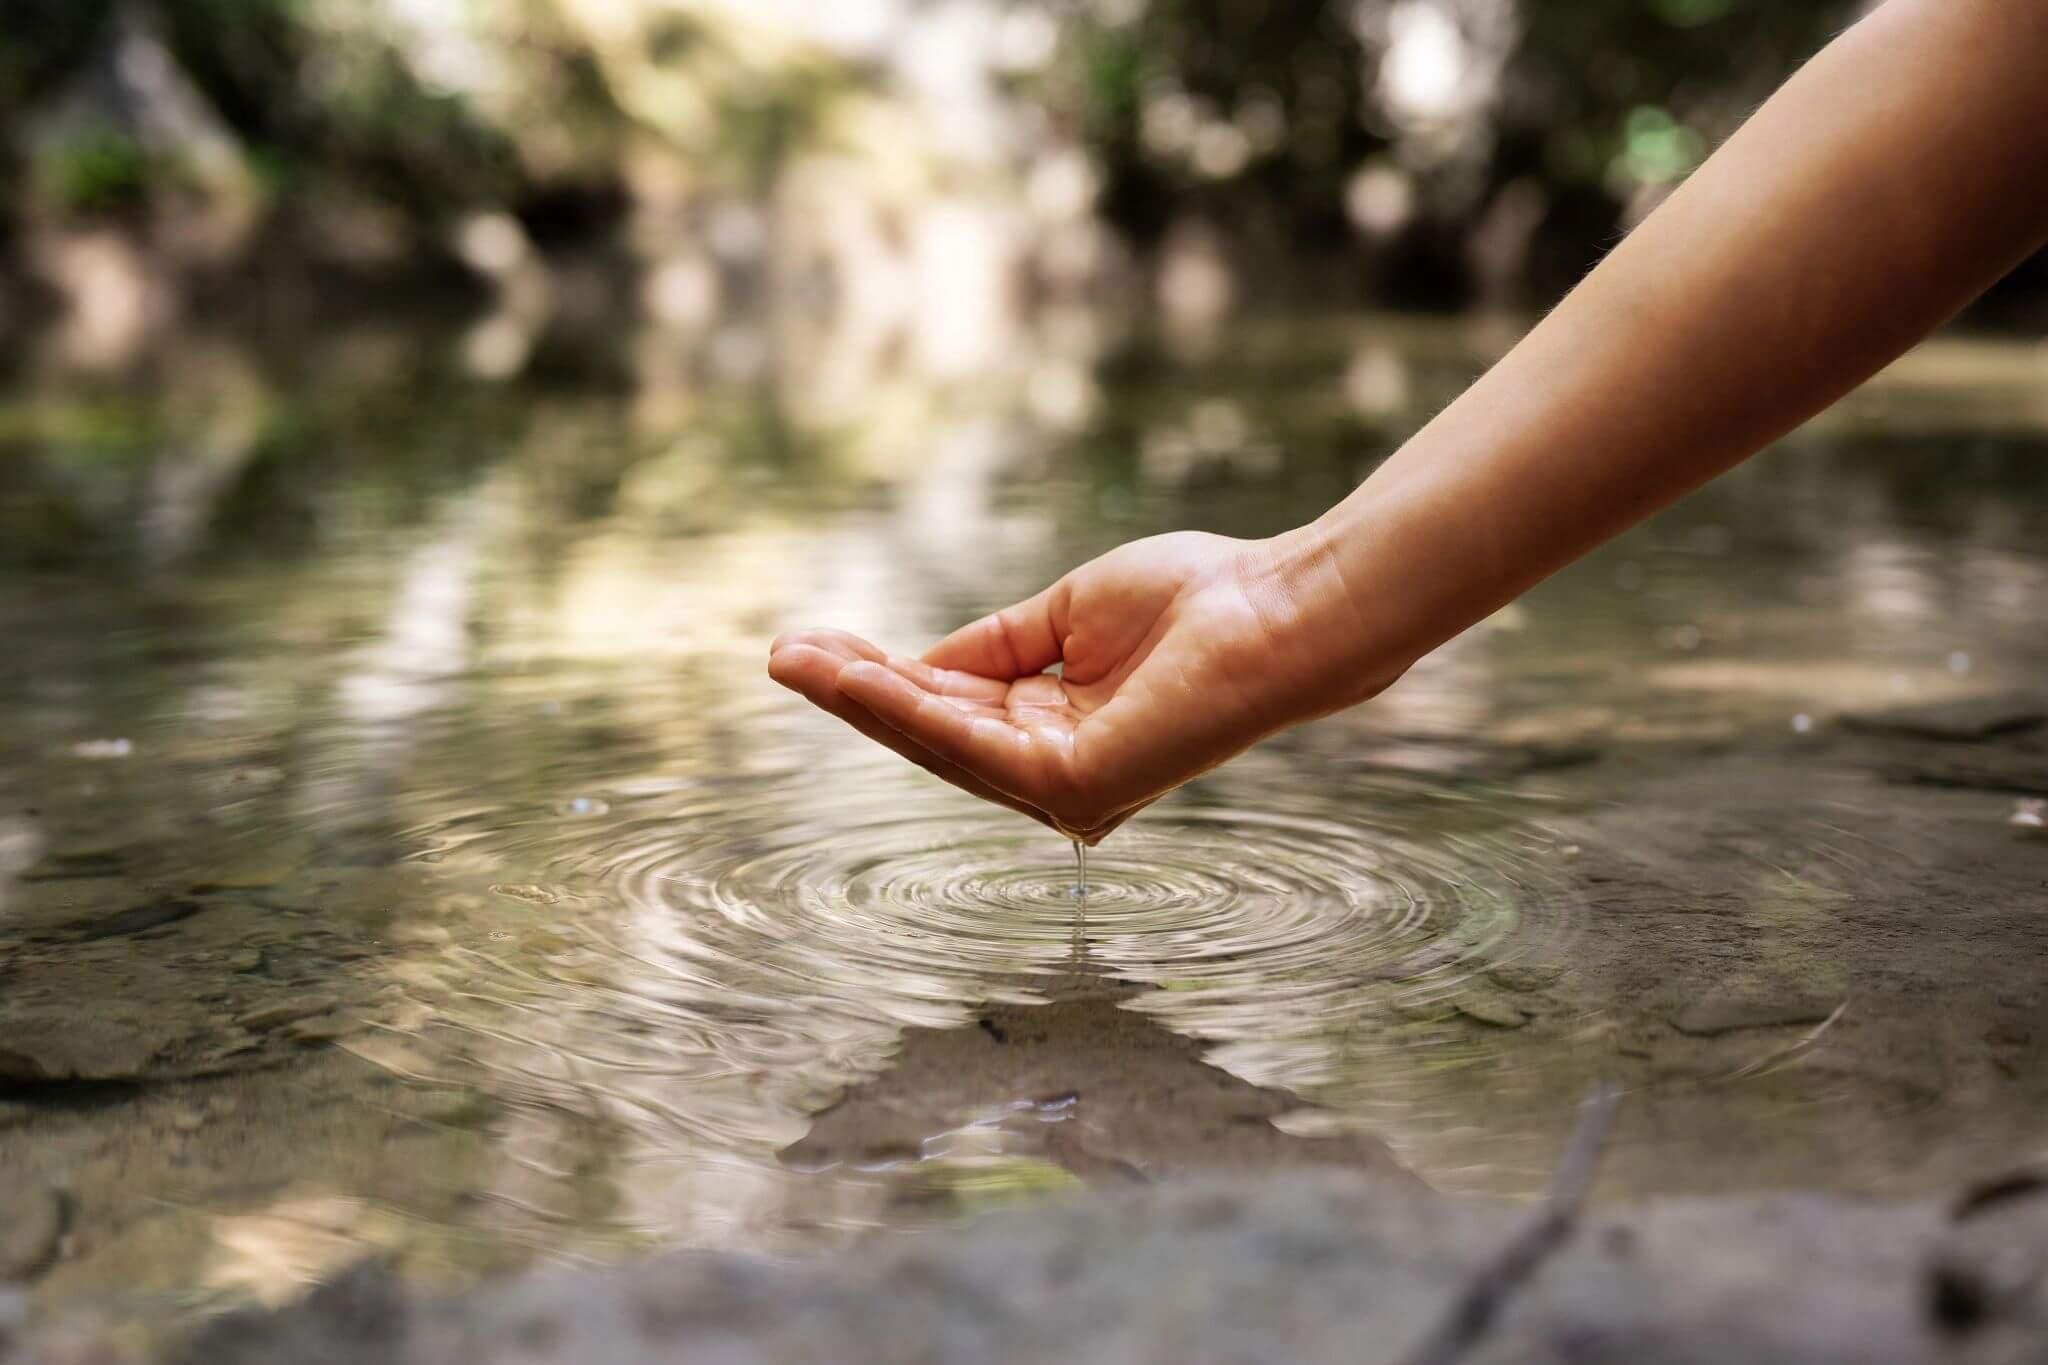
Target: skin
{"x": 1891, "y": 181}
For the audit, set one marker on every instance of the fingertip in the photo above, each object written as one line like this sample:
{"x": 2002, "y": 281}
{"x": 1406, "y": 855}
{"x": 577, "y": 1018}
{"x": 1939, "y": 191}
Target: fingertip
{"x": 864, "y": 676}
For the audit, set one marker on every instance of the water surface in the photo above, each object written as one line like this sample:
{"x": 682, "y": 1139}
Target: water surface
{"x": 404, "y": 850}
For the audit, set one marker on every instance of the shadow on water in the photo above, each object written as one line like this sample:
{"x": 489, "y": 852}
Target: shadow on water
{"x": 401, "y": 851}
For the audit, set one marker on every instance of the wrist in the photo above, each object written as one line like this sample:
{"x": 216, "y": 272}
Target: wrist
{"x": 1335, "y": 642}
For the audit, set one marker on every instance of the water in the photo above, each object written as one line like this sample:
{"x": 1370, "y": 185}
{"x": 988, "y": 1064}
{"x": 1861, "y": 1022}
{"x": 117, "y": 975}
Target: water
{"x": 399, "y": 836}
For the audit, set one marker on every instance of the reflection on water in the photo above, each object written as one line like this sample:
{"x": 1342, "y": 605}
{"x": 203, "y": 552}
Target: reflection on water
{"x": 396, "y": 804}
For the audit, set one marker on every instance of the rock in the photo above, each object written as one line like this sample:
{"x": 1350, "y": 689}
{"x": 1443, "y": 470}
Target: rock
{"x": 1334, "y": 1268}
{"x": 1424, "y": 960}
{"x": 31, "y": 1222}
{"x": 1966, "y": 720}
{"x": 273, "y": 1016}
{"x": 313, "y": 1032}
{"x": 78, "y": 865}
{"x": 254, "y": 878}
{"x": 1082, "y": 1084}
{"x": 1490, "y": 1010}
{"x": 456, "y": 1108}
{"x": 247, "y": 960}
{"x": 1718, "y": 1014}
{"x": 134, "y": 920}
{"x": 19, "y": 1068}
{"x": 2016, "y": 764}
{"x": 1524, "y": 978}
{"x": 1430, "y": 1010}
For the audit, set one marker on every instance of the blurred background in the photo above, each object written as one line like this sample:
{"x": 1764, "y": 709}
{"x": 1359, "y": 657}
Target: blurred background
{"x": 947, "y": 166}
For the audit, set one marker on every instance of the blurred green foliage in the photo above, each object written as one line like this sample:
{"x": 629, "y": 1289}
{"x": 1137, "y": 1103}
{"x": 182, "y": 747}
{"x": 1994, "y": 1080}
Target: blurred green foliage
{"x": 1590, "y": 106}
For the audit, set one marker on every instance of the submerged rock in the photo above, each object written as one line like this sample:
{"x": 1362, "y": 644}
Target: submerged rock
{"x": 1329, "y": 1267}
{"x": 1491, "y": 1010}
{"x": 1718, "y": 1014}
{"x": 1970, "y": 719}
{"x": 134, "y": 920}
{"x": 1080, "y": 1083}
{"x": 291, "y": 1012}
{"x": 31, "y": 1222}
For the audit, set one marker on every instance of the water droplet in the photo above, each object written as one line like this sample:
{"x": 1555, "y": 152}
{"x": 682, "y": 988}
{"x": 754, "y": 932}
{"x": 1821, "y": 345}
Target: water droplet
{"x": 1958, "y": 662}
{"x": 1801, "y": 723}
{"x": 581, "y": 806}
{"x": 2030, "y": 812}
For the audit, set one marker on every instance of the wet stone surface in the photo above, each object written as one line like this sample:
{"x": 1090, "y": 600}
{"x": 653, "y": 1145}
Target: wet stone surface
{"x": 1328, "y": 1267}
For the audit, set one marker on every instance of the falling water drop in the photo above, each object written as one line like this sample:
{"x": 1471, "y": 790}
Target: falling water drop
{"x": 1080, "y": 894}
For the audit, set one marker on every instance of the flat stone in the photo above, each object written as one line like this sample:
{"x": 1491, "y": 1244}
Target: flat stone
{"x": 1718, "y": 1014}
{"x": 1524, "y": 978}
{"x": 1490, "y": 1010}
{"x": 312, "y": 1032}
{"x": 31, "y": 1222}
{"x": 20, "y": 1068}
{"x": 134, "y": 920}
{"x": 255, "y": 878}
{"x": 274, "y": 1016}
{"x": 1966, "y": 720}
{"x": 1333, "y": 1268}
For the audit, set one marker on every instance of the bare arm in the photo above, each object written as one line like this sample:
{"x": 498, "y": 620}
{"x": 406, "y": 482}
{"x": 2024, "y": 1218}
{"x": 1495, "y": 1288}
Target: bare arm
{"x": 1887, "y": 184}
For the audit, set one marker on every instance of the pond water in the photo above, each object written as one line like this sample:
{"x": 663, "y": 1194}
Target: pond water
{"x": 403, "y": 851}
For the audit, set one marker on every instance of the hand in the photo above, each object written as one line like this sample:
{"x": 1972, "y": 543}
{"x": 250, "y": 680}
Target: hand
{"x": 1175, "y": 653}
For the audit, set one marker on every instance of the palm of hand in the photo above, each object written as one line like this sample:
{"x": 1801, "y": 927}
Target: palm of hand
{"x": 1153, "y": 641}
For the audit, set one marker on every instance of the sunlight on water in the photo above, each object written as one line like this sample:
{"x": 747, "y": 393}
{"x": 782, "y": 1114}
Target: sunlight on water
{"x": 428, "y": 842}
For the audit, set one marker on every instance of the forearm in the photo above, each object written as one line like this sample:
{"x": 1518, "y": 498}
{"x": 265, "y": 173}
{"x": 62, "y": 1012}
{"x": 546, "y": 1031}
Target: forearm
{"x": 1890, "y": 182}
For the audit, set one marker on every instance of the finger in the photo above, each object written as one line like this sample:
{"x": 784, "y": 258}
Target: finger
{"x": 994, "y": 750}
{"x": 811, "y": 672}
{"x": 850, "y": 648}
{"x": 1012, "y": 643}
{"x": 843, "y": 643}
{"x": 950, "y": 682}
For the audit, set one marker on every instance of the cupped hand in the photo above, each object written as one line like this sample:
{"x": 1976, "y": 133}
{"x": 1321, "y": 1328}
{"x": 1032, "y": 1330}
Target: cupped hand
{"x": 1173, "y": 654}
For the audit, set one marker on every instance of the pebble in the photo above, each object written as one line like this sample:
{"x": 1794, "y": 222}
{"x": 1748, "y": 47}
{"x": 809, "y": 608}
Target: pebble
{"x": 1491, "y": 1011}
{"x": 103, "y": 748}
{"x": 1524, "y": 978}
{"x": 19, "y": 1067}
{"x": 290, "y": 1013}
{"x": 457, "y": 1108}
{"x": 137, "y": 919}
{"x": 1963, "y": 720}
{"x": 258, "y": 878}
{"x": 313, "y": 1032}
{"x": 1727, "y": 1014}
{"x": 33, "y": 1222}
{"x": 247, "y": 960}
{"x": 1427, "y": 1011}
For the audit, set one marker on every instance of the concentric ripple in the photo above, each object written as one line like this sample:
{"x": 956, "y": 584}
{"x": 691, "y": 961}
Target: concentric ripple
{"x": 707, "y": 963}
